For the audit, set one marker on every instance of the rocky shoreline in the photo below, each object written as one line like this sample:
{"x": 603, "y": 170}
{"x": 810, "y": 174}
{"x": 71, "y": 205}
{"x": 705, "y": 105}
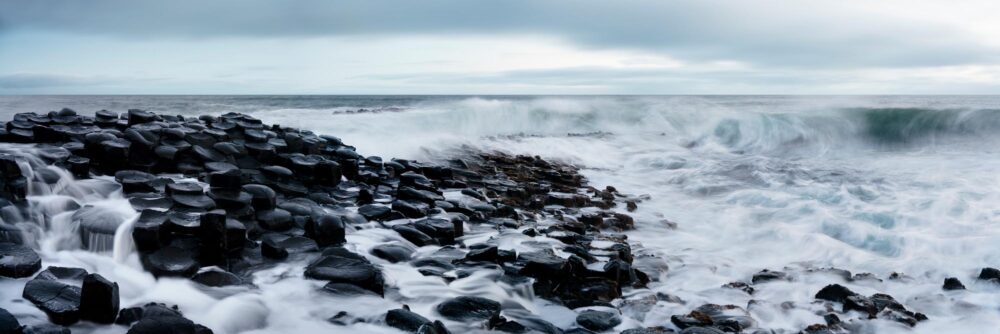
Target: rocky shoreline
{"x": 222, "y": 197}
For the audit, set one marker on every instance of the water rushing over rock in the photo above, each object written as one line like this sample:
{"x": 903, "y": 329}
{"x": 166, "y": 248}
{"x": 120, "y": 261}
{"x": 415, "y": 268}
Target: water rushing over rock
{"x": 482, "y": 241}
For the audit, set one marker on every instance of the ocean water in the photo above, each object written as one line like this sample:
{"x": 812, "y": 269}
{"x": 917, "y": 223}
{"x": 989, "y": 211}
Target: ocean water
{"x": 735, "y": 184}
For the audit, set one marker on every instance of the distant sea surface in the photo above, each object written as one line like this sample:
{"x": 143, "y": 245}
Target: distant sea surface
{"x": 736, "y": 184}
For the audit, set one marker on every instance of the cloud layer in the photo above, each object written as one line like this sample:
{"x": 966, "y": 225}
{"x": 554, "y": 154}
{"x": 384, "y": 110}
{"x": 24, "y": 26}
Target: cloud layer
{"x": 782, "y": 37}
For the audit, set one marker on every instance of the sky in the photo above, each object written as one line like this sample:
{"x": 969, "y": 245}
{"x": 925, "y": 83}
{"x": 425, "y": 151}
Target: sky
{"x": 499, "y": 47}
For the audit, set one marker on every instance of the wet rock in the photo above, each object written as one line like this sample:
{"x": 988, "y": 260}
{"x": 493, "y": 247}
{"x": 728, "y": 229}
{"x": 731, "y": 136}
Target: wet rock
{"x": 542, "y": 264}
{"x": 405, "y": 320}
{"x": 197, "y": 202}
{"x": 768, "y": 276}
{"x": 344, "y": 289}
{"x": 62, "y": 273}
{"x": 270, "y": 246}
{"x": 835, "y": 293}
{"x": 990, "y": 274}
{"x": 44, "y": 329}
{"x": 8, "y": 323}
{"x": 701, "y": 330}
{"x": 172, "y": 261}
{"x": 275, "y": 219}
{"x": 340, "y": 266}
{"x": 598, "y": 321}
{"x": 167, "y": 325}
{"x": 18, "y": 261}
{"x": 263, "y": 197}
{"x": 442, "y": 230}
{"x": 146, "y": 230}
{"x": 392, "y": 252}
{"x": 327, "y": 230}
{"x": 374, "y": 212}
{"x": 217, "y": 278}
{"x": 489, "y": 253}
{"x": 98, "y": 299}
{"x": 136, "y": 116}
{"x": 413, "y": 235}
{"x": 411, "y": 209}
{"x": 61, "y": 302}
{"x": 468, "y": 308}
{"x": 952, "y": 283}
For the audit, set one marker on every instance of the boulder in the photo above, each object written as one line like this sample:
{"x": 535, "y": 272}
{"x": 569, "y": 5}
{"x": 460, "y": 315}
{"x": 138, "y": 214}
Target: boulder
{"x": 217, "y": 278}
{"x": 341, "y": 266}
{"x": 18, "y": 261}
{"x": 469, "y": 308}
{"x": 952, "y": 283}
{"x": 598, "y": 321}
{"x": 327, "y": 230}
{"x": 172, "y": 261}
{"x": 405, "y": 320}
{"x": 392, "y": 252}
{"x": 60, "y": 301}
{"x": 8, "y": 323}
{"x": 99, "y": 299}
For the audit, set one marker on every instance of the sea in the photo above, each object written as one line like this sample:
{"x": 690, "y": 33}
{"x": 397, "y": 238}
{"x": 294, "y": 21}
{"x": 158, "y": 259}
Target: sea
{"x": 902, "y": 191}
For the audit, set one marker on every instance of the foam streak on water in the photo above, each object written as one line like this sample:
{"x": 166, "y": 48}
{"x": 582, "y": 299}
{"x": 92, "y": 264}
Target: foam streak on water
{"x": 866, "y": 184}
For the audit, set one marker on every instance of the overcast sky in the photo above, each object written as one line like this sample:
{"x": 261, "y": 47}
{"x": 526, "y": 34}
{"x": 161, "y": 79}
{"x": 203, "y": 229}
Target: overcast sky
{"x": 499, "y": 47}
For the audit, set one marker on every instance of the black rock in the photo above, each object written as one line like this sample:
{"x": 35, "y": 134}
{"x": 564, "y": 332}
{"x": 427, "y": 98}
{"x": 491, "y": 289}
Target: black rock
{"x": 18, "y": 261}
{"x": 392, "y": 252}
{"x": 98, "y": 299}
{"x": 167, "y": 325}
{"x": 990, "y": 274}
{"x": 270, "y": 246}
{"x": 327, "y": 230}
{"x": 226, "y": 179}
{"x": 184, "y": 188}
{"x": 8, "y": 323}
{"x": 413, "y": 235}
{"x": 835, "y": 293}
{"x": 952, "y": 283}
{"x": 136, "y": 116}
{"x": 405, "y": 320}
{"x": 263, "y": 197}
{"x": 598, "y": 321}
{"x": 701, "y": 330}
{"x": 217, "y": 278}
{"x": 44, "y": 329}
{"x": 172, "y": 261}
{"x": 483, "y": 254}
{"x": 146, "y": 230}
{"x": 543, "y": 264}
{"x": 61, "y": 302}
{"x": 197, "y": 202}
{"x": 767, "y": 276}
{"x": 469, "y": 308}
{"x": 341, "y": 266}
{"x": 411, "y": 209}
{"x": 373, "y": 211}
{"x": 344, "y": 289}
{"x": 444, "y": 231}
{"x": 275, "y": 219}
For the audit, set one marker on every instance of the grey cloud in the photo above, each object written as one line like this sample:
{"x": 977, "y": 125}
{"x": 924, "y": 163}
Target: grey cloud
{"x": 769, "y": 33}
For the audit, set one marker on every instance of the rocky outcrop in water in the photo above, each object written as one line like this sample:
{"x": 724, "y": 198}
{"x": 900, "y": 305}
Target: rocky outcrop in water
{"x": 221, "y": 197}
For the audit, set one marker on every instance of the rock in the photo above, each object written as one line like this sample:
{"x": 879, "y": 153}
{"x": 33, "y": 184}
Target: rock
{"x": 543, "y": 264}
{"x": 392, "y": 252}
{"x": 275, "y": 219}
{"x": 437, "y": 327}
{"x": 8, "y": 323}
{"x": 405, "y": 320}
{"x": 648, "y": 330}
{"x": 263, "y": 197}
{"x": 469, "y": 308}
{"x": 184, "y": 188}
{"x": 167, "y": 325}
{"x": 146, "y": 230}
{"x": 990, "y": 274}
{"x": 44, "y": 329}
{"x": 217, "y": 278}
{"x": 768, "y": 276}
{"x": 952, "y": 283}
{"x": 835, "y": 293}
{"x": 327, "y": 230}
{"x": 17, "y": 261}
{"x": 98, "y": 299}
{"x": 61, "y": 302}
{"x": 598, "y": 321}
{"x": 344, "y": 289}
{"x": 701, "y": 330}
{"x": 483, "y": 254}
{"x": 136, "y": 116}
{"x": 411, "y": 209}
{"x": 413, "y": 235}
{"x": 225, "y": 179}
{"x": 172, "y": 261}
{"x": 373, "y": 211}
{"x": 197, "y": 202}
{"x": 270, "y": 247}
{"x": 340, "y": 266}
